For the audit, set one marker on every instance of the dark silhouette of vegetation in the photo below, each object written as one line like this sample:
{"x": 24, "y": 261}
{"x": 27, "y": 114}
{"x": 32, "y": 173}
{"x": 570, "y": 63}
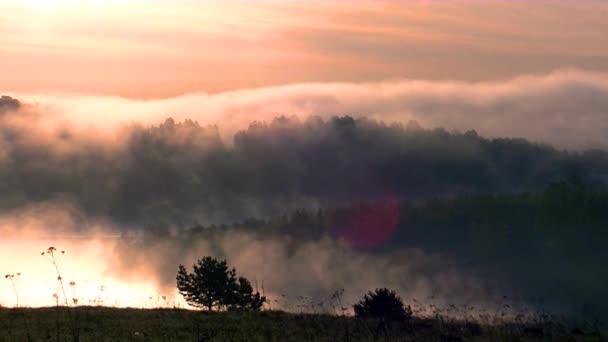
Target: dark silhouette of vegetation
{"x": 161, "y": 171}
{"x": 212, "y": 285}
{"x": 382, "y": 303}
{"x": 8, "y": 103}
{"x": 208, "y": 285}
{"x": 244, "y": 296}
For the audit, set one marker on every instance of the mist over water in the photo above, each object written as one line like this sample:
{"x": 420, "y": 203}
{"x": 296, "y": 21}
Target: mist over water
{"x": 138, "y": 268}
{"x": 133, "y": 196}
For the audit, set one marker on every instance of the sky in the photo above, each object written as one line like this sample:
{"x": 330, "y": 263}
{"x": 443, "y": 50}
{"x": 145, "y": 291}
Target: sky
{"x": 161, "y": 49}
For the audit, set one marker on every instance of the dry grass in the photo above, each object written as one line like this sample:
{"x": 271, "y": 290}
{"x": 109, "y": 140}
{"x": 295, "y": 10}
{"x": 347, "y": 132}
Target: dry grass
{"x": 111, "y": 324}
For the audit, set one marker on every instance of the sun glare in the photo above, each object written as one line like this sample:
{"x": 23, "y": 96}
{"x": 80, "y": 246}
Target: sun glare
{"x": 84, "y": 264}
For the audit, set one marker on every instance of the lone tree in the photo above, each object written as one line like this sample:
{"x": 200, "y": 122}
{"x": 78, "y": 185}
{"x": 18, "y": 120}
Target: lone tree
{"x": 382, "y": 303}
{"x": 212, "y": 285}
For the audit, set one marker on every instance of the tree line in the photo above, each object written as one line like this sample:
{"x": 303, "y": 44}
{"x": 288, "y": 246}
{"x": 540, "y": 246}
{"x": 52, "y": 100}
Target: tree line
{"x": 175, "y": 173}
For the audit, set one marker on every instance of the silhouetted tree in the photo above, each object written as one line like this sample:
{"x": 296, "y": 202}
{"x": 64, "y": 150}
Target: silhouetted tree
{"x": 382, "y": 303}
{"x": 208, "y": 285}
{"x": 212, "y": 285}
{"x": 244, "y": 298}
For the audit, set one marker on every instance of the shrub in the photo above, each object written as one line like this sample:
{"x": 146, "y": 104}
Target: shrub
{"x": 382, "y": 303}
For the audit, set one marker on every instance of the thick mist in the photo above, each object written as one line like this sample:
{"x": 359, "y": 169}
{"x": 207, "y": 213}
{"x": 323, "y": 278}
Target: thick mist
{"x": 123, "y": 199}
{"x": 179, "y": 174}
{"x": 566, "y": 108}
{"x": 137, "y": 269}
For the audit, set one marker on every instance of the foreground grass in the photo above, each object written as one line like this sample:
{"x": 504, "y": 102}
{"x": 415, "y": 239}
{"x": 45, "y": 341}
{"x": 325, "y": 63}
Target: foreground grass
{"x": 110, "y": 324}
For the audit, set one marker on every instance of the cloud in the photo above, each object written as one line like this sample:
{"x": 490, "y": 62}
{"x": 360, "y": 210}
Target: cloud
{"x": 566, "y": 108}
{"x": 163, "y": 50}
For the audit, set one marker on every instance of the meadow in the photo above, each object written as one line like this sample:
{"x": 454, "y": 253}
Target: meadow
{"x": 114, "y": 324}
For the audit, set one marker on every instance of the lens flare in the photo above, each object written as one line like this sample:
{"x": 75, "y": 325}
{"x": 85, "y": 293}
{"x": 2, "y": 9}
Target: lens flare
{"x": 369, "y": 225}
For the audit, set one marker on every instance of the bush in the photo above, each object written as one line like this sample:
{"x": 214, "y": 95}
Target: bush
{"x": 382, "y": 303}
{"x": 212, "y": 285}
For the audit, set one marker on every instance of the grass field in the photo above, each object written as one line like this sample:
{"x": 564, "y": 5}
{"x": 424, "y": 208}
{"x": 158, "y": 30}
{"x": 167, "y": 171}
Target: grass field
{"x": 112, "y": 324}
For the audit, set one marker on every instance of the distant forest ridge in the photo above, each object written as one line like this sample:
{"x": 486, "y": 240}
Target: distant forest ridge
{"x": 185, "y": 170}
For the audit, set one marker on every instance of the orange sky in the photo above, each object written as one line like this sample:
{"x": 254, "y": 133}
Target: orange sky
{"x": 166, "y": 48}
